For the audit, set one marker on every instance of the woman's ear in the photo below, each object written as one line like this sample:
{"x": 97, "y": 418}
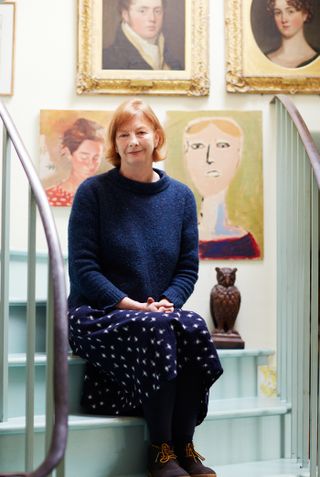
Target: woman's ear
{"x": 65, "y": 151}
{"x": 156, "y": 139}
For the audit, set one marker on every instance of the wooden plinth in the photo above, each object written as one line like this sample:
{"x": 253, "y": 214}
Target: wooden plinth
{"x": 227, "y": 341}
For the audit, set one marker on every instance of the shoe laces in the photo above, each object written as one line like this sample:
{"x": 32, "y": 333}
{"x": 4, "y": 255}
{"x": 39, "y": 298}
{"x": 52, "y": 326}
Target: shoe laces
{"x": 192, "y": 453}
{"x": 165, "y": 453}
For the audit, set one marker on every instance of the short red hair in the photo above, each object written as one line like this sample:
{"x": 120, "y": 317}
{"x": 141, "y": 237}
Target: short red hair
{"x": 124, "y": 113}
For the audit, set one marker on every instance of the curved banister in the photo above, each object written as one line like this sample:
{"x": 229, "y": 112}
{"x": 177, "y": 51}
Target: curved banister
{"x": 306, "y": 138}
{"x": 297, "y": 281}
{"x": 60, "y": 371}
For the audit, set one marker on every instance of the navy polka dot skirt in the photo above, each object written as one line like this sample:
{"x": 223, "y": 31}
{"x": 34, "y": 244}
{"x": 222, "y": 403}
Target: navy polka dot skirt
{"x": 130, "y": 353}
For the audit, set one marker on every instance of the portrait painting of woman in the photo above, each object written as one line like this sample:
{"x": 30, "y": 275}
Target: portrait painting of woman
{"x": 289, "y": 37}
{"x": 71, "y": 151}
{"x": 273, "y": 46}
{"x": 290, "y": 17}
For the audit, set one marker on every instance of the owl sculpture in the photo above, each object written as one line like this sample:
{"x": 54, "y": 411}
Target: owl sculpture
{"x": 225, "y": 302}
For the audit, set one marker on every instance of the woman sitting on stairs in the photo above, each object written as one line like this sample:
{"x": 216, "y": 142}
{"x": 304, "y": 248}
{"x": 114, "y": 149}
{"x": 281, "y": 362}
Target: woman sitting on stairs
{"x": 133, "y": 263}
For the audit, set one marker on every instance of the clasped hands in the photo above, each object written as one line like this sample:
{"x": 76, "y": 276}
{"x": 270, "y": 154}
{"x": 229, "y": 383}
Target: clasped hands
{"x": 161, "y": 306}
{"x": 164, "y": 305}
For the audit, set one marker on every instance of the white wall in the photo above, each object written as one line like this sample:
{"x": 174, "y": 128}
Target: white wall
{"x": 45, "y": 71}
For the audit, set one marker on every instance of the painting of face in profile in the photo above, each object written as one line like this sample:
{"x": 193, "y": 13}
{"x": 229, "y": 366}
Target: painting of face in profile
{"x": 287, "y": 31}
{"x": 72, "y": 147}
{"x": 220, "y": 158}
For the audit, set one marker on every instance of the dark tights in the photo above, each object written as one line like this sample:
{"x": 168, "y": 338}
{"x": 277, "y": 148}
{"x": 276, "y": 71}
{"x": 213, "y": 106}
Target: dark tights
{"x": 171, "y": 413}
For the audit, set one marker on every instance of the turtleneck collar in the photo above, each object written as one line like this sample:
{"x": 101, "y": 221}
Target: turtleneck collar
{"x": 139, "y": 187}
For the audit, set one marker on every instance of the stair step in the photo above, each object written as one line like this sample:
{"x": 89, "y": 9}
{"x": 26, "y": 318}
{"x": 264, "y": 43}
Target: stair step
{"x": 246, "y": 407}
{"x": 235, "y": 430}
{"x": 217, "y": 410}
{"x": 17, "y": 326}
{"x": 17, "y": 378}
{"x": 18, "y": 276}
{"x": 240, "y": 377}
{"x": 238, "y": 381}
{"x": 272, "y": 468}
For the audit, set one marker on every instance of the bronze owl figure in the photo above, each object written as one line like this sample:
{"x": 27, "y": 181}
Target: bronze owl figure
{"x": 225, "y": 301}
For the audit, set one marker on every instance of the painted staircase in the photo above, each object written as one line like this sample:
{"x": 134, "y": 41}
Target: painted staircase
{"x": 244, "y": 433}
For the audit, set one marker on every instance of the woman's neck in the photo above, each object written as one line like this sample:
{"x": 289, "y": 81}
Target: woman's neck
{"x": 295, "y": 50}
{"x": 139, "y": 174}
{"x": 71, "y": 183}
{"x": 214, "y": 222}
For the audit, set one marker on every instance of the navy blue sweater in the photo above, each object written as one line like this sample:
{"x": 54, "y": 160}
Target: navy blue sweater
{"x": 128, "y": 238}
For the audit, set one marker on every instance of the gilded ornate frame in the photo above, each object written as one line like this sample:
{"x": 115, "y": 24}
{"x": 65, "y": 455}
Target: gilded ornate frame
{"x": 248, "y": 70}
{"x": 92, "y": 79}
{"x": 7, "y": 43}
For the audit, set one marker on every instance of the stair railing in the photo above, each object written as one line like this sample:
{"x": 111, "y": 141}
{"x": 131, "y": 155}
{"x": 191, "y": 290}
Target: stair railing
{"x": 298, "y": 182}
{"x": 56, "y": 346}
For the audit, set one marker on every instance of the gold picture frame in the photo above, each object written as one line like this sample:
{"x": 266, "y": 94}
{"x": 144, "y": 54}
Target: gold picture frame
{"x": 190, "y": 79}
{"x": 248, "y": 67}
{"x": 7, "y": 35}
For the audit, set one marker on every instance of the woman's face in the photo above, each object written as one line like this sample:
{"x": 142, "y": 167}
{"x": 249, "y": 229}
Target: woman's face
{"x": 288, "y": 19}
{"x": 212, "y": 157}
{"x": 87, "y": 158}
{"x": 136, "y": 141}
{"x": 145, "y": 17}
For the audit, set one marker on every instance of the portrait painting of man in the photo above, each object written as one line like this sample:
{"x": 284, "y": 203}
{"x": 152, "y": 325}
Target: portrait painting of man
{"x": 143, "y": 47}
{"x": 143, "y": 35}
{"x": 72, "y": 148}
{"x": 219, "y": 155}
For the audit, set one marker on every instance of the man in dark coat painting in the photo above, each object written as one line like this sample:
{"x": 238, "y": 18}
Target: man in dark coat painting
{"x": 139, "y": 43}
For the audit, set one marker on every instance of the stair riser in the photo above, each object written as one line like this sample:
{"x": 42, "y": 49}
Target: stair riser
{"x": 18, "y": 277}
{"x": 114, "y": 452}
{"x": 17, "y": 328}
{"x": 16, "y": 395}
{"x": 239, "y": 380}
{"x": 240, "y": 440}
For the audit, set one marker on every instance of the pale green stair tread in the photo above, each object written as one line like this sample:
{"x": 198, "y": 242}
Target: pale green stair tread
{"x": 224, "y": 409}
{"x": 246, "y": 407}
{"x": 240, "y": 353}
{"x": 272, "y": 468}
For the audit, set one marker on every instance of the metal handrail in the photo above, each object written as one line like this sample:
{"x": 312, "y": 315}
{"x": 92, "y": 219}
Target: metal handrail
{"x": 306, "y": 138}
{"x": 60, "y": 370}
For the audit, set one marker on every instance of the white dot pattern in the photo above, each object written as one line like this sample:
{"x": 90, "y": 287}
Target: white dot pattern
{"x": 129, "y": 354}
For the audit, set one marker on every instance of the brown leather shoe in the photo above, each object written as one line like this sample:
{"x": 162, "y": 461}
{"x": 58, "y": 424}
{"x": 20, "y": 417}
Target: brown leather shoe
{"x": 162, "y": 462}
{"x": 190, "y": 460}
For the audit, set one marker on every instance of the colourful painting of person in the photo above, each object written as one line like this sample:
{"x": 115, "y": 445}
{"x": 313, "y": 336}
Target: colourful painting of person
{"x": 83, "y": 144}
{"x": 212, "y": 154}
{"x": 139, "y": 43}
{"x": 290, "y": 17}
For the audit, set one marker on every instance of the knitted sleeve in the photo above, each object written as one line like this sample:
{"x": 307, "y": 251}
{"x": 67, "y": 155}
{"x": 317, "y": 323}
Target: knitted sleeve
{"x": 85, "y": 273}
{"x": 186, "y": 272}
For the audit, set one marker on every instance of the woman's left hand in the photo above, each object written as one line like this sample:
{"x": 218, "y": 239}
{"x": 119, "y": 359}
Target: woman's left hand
{"x": 165, "y": 306}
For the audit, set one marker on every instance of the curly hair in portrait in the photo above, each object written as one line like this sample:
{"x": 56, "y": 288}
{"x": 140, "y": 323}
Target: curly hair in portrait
{"x": 305, "y": 6}
{"x": 125, "y": 4}
{"x": 81, "y": 130}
